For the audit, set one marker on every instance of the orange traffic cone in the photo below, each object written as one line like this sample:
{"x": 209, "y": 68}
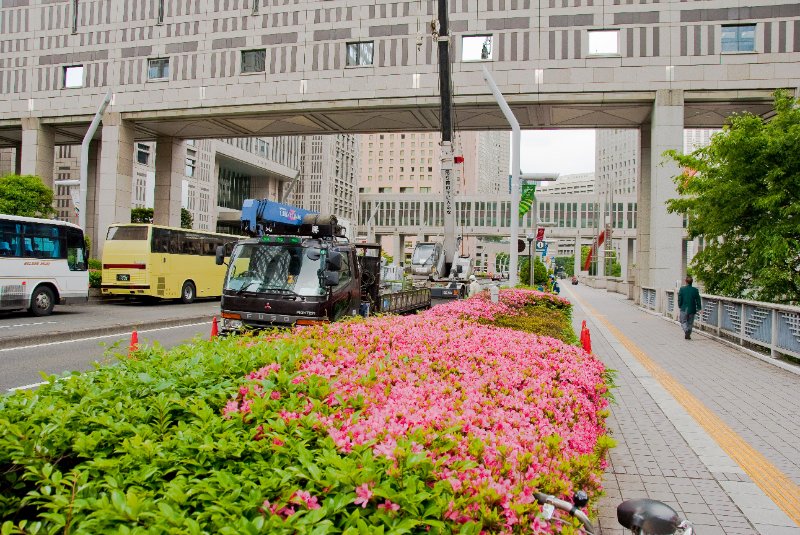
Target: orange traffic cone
{"x": 134, "y": 343}
{"x": 587, "y": 343}
{"x": 214, "y": 328}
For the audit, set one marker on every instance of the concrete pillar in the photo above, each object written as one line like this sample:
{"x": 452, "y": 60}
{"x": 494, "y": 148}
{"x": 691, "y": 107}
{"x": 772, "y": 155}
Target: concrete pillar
{"x": 643, "y": 213}
{"x": 170, "y": 173}
{"x": 92, "y": 206}
{"x": 38, "y": 150}
{"x": 397, "y": 248}
{"x": 577, "y": 263}
{"x": 18, "y": 160}
{"x": 666, "y": 230}
{"x": 113, "y": 192}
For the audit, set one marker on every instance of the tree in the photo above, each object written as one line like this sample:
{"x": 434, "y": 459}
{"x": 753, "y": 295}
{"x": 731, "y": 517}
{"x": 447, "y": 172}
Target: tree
{"x": 539, "y": 271}
{"x": 741, "y": 194}
{"x": 25, "y": 195}
{"x": 145, "y": 215}
{"x": 141, "y": 215}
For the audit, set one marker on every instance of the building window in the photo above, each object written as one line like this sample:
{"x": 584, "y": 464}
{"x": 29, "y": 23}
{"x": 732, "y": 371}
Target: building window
{"x": 142, "y": 154}
{"x": 603, "y": 42}
{"x": 739, "y": 38}
{"x": 406, "y": 190}
{"x": 73, "y": 76}
{"x": 425, "y": 190}
{"x": 74, "y": 16}
{"x": 385, "y": 190}
{"x": 476, "y": 48}
{"x": 160, "y": 19}
{"x": 158, "y": 68}
{"x": 360, "y": 54}
{"x": 190, "y": 166}
{"x": 254, "y": 60}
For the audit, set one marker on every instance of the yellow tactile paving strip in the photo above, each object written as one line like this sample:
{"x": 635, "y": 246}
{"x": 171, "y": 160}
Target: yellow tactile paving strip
{"x": 774, "y": 483}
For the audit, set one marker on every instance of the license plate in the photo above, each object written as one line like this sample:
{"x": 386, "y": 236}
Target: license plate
{"x": 123, "y": 278}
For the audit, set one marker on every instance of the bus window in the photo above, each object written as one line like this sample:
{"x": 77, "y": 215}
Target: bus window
{"x": 76, "y": 252}
{"x": 161, "y": 239}
{"x": 127, "y": 233}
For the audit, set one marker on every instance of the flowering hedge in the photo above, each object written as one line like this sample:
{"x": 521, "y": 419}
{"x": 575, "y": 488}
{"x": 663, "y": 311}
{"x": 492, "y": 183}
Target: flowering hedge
{"x": 437, "y": 422}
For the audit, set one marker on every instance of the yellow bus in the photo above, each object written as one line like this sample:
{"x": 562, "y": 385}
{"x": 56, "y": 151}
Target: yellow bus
{"x": 144, "y": 260}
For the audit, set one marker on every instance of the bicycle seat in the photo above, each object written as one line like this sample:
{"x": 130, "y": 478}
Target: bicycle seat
{"x": 648, "y": 516}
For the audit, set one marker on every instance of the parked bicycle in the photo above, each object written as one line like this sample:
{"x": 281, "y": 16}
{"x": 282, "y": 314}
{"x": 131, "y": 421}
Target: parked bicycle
{"x": 641, "y": 517}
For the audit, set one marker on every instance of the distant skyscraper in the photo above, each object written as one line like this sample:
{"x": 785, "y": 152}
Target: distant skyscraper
{"x": 569, "y": 184}
{"x": 694, "y": 138}
{"x": 328, "y": 169}
{"x": 616, "y": 160}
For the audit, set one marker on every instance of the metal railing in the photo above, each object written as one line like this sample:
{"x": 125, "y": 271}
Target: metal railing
{"x": 773, "y": 327}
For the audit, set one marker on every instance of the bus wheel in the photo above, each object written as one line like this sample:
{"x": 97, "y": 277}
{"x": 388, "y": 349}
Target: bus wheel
{"x": 188, "y": 292}
{"x": 42, "y": 301}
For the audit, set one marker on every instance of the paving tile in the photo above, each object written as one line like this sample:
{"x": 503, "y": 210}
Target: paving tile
{"x": 700, "y": 485}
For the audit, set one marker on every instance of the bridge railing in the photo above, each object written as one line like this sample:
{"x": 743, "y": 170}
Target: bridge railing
{"x": 771, "y": 327}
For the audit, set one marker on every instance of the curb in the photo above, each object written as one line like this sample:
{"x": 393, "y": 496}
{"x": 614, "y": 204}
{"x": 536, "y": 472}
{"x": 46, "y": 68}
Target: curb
{"x": 64, "y": 336}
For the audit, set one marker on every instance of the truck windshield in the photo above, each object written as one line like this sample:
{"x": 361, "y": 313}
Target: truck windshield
{"x": 423, "y": 254}
{"x": 270, "y": 267}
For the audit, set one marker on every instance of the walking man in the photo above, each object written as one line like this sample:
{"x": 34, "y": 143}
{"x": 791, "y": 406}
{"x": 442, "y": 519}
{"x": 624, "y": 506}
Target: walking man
{"x": 689, "y": 302}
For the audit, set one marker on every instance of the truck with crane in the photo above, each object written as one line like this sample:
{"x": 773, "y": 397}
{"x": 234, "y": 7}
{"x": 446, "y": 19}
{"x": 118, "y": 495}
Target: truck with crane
{"x": 297, "y": 268}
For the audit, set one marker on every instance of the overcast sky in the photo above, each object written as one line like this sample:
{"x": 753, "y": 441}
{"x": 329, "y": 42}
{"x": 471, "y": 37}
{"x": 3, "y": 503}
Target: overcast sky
{"x": 557, "y": 151}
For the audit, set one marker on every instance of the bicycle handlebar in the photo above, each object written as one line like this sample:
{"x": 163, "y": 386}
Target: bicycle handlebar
{"x": 565, "y": 506}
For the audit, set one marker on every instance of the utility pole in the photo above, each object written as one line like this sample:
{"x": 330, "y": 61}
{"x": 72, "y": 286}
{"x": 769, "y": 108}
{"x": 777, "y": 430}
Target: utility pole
{"x": 446, "y": 121}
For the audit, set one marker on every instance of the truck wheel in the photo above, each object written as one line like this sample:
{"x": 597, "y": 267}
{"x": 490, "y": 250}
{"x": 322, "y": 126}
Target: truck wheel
{"x": 188, "y": 292}
{"x": 42, "y": 301}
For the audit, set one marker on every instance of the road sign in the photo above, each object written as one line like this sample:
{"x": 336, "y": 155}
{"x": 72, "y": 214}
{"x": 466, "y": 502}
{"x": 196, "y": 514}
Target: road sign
{"x": 541, "y": 245}
{"x": 520, "y": 246}
{"x": 540, "y": 234}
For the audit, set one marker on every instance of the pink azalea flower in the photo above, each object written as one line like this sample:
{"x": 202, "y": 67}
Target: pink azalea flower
{"x": 389, "y": 506}
{"x": 363, "y": 495}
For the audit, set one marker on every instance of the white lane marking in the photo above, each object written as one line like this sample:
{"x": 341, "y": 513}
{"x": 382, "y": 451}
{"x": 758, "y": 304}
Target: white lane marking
{"x": 27, "y": 324}
{"x": 34, "y": 385}
{"x": 103, "y": 336}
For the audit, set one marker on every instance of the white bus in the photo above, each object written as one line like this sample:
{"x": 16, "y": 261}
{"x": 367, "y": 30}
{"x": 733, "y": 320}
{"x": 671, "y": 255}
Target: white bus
{"x": 42, "y": 263}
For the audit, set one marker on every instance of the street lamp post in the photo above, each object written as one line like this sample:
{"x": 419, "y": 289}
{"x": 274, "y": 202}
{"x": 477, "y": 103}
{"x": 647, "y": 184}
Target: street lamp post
{"x": 530, "y": 237}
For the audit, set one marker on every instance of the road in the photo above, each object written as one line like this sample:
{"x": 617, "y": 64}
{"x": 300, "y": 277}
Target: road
{"x": 20, "y": 367}
{"x": 74, "y": 337}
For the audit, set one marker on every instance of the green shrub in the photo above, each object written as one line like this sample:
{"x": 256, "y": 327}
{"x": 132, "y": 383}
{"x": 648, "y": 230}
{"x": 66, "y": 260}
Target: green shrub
{"x": 95, "y": 278}
{"x": 95, "y": 264}
{"x": 544, "y": 318}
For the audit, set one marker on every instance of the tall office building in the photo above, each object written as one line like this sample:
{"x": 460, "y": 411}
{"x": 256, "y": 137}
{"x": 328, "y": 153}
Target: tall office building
{"x": 694, "y": 138}
{"x": 328, "y": 172}
{"x": 616, "y": 161}
{"x": 411, "y": 163}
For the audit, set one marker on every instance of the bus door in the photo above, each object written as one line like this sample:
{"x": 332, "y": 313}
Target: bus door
{"x": 162, "y": 263}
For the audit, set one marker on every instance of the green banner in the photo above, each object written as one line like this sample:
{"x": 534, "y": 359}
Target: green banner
{"x": 527, "y": 197}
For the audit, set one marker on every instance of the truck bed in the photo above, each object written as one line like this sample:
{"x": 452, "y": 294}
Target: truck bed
{"x": 404, "y": 301}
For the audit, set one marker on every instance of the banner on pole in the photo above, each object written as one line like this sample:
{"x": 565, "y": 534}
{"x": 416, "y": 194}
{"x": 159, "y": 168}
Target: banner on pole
{"x": 527, "y": 197}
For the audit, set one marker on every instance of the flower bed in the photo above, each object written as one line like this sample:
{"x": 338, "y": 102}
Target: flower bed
{"x": 436, "y": 422}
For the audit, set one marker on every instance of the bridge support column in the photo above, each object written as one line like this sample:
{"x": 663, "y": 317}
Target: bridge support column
{"x": 92, "y": 206}
{"x": 113, "y": 191}
{"x": 18, "y": 160}
{"x": 660, "y": 234}
{"x": 397, "y": 248}
{"x": 170, "y": 166}
{"x": 37, "y": 156}
{"x": 577, "y": 263}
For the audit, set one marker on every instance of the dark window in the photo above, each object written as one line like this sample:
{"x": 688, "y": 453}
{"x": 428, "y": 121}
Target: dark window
{"x": 127, "y": 233}
{"x": 739, "y": 38}
{"x": 360, "y": 54}
{"x": 254, "y": 60}
{"x": 157, "y": 68}
{"x": 161, "y": 240}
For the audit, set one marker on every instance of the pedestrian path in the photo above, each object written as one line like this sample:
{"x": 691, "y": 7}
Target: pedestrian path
{"x": 702, "y": 426}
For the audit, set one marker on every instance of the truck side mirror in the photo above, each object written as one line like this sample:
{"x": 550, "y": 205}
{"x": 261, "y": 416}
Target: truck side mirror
{"x": 333, "y": 262}
{"x": 331, "y": 278}
{"x": 220, "y": 255}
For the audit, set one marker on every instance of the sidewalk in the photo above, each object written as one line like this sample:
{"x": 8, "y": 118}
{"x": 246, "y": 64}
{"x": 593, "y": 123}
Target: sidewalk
{"x": 663, "y": 452}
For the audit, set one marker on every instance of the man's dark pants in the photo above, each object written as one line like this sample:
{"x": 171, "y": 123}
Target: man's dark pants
{"x": 687, "y": 321}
